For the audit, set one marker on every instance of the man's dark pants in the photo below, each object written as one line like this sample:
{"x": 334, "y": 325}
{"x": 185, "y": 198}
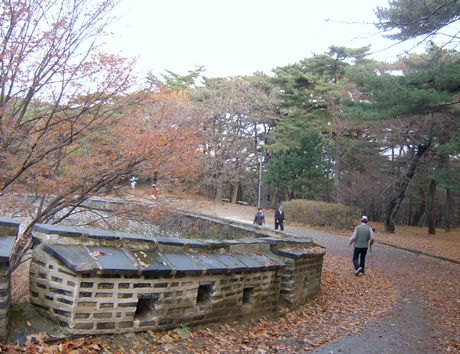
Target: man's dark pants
{"x": 361, "y": 254}
{"x": 281, "y": 225}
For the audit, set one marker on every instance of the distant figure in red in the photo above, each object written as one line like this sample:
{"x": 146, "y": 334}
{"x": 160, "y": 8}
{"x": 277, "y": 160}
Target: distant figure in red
{"x": 154, "y": 192}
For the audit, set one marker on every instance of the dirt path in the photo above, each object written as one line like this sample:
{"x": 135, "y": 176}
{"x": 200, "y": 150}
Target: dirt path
{"x": 421, "y": 321}
{"x": 425, "y": 317}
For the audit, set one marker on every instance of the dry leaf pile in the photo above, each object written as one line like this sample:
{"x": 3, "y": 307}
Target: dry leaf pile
{"x": 440, "y": 289}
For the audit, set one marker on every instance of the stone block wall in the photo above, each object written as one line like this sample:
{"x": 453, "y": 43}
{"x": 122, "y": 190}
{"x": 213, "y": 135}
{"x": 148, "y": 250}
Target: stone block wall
{"x": 5, "y": 293}
{"x": 99, "y": 281}
{"x": 181, "y": 288}
{"x": 94, "y": 281}
{"x": 8, "y": 233}
{"x": 301, "y": 280}
{"x": 124, "y": 304}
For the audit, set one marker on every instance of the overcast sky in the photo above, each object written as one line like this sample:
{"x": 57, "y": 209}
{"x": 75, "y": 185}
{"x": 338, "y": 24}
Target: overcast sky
{"x": 240, "y": 37}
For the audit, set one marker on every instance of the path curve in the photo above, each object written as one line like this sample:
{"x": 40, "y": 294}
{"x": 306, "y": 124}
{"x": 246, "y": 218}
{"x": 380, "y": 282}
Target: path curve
{"x": 409, "y": 327}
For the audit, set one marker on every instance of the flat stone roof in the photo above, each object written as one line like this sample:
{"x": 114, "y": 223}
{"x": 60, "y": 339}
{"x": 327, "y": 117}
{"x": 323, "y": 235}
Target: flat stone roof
{"x": 9, "y": 222}
{"x": 6, "y": 247}
{"x": 113, "y": 260}
{"x": 299, "y": 253}
{"x": 75, "y": 231}
{"x": 8, "y": 233}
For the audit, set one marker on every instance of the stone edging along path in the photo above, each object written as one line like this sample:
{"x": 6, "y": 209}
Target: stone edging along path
{"x": 418, "y": 252}
{"x": 407, "y": 249}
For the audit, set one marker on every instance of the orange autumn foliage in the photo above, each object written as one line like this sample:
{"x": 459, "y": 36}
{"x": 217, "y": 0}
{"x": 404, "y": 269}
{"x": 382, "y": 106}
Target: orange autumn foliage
{"x": 73, "y": 120}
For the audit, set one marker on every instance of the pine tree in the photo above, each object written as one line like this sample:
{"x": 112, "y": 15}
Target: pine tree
{"x": 312, "y": 94}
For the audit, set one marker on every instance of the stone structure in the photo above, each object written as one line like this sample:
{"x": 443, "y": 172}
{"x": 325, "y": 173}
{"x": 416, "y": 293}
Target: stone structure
{"x": 8, "y": 233}
{"x": 94, "y": 281}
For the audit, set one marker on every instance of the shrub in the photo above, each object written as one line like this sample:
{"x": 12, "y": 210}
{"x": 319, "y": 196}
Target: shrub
{"x": 313, "y": 213}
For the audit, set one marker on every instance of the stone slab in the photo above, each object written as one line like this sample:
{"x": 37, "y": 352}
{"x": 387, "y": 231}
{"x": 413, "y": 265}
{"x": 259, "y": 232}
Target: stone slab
{"x": 75, "y": 258}
{"x": 115, "y": 261}
{"x": 61, "y": 230}
{"x": 100, "y": 233}
{"x": 6, "y": 246}
{"x": 9, "y": 226}
{"x": 196, "y": 243}
{"x": 250, "y": 261}
{"x": 183, "y": 264}
{"x": 170, "y": 241}
{"x": 107, "y": 260}
{"x": 212, "y": 265}
{"x": 152, "y": 263}
{"x": 273, "y": 241}
{"x": 135, "y": 237}
{"x": 289, "y": 253}
{"x": 268, "y": 259}
{"x": 275, "y": 258}
{"x": 296, "y": 254}
{"x": 232, "y": 263}
{"x": 250, "y": 240}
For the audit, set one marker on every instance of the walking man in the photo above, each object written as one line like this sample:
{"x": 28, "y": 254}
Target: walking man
{"x": 279, "y": 218}
{"x": 362, "y": 237}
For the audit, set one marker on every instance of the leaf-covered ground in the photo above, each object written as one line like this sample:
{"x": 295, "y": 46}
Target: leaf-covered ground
{"x": 339, "y": 310}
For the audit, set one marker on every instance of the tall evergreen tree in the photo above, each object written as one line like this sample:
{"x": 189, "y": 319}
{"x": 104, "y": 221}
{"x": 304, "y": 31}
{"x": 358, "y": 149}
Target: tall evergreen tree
{"x": 423, "y": 99}
{"x": 177, "y": 82}
{"x": 420, "y": 19}
{"x": 312, "y": 93}
{"x": 303, "y": 171}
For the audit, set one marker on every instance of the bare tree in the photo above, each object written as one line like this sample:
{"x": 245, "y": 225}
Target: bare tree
{"x": 238, "y": 110}
{"x": 69, "y": 122}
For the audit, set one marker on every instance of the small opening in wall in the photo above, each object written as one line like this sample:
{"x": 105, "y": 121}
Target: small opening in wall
{"x": 247, "y": 295}
{"x": 204, "y": 294}
{"x": 145, "y": 309}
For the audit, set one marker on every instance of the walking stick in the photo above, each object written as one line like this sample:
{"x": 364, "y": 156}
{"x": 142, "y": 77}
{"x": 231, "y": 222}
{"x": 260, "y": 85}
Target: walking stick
{"x": 372, "y": 258}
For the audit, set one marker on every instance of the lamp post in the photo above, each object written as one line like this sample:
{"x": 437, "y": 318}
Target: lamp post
{"x": 261, "y": 158}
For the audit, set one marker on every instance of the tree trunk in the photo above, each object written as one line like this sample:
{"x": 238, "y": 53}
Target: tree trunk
{"x": 431, "y": 204}
{"x": 416, "y": 221}
{"x": 396, "y": 201}
{"x": 234, "y": 196}
{"x": 392, "y": 210}
{"x": 444, "y": 162}
{"x": 219, "y": 187}
{"x": 273, "y": 199}
{"x": 449, "y": 208}
{"x": 337, "y": 159}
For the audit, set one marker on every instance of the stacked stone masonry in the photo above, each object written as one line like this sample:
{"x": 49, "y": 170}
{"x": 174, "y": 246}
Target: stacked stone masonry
{"x": 8, "y": 234}
{"x": 94, "y": 281}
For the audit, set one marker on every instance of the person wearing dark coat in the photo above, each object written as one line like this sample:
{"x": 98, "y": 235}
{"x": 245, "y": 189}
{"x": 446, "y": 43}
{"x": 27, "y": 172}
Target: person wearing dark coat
{"x": 279, "y": 218}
